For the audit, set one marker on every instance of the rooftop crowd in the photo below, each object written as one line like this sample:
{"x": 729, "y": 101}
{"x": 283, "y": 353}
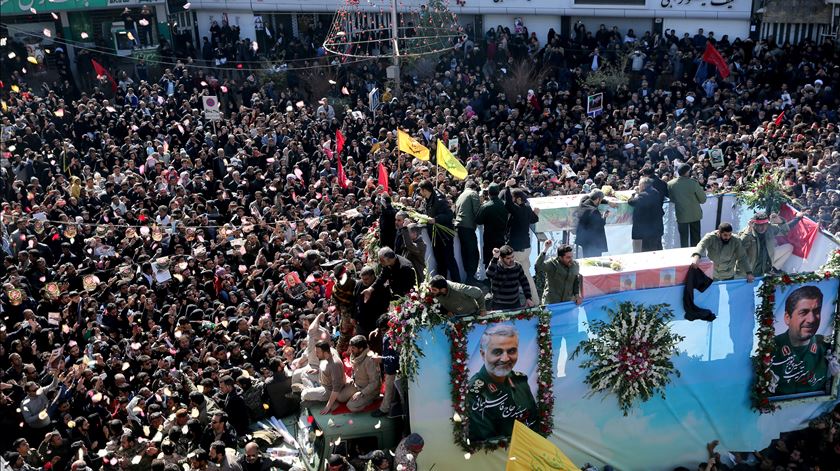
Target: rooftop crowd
{"x": 164, "y": 277}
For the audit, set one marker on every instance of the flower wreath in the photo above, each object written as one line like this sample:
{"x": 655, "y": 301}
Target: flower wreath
{"x": 763, "y": 382}
{"x": 630, "y": 355}
{"x": 459, "y": 375}
{"x": 408, "y": 315}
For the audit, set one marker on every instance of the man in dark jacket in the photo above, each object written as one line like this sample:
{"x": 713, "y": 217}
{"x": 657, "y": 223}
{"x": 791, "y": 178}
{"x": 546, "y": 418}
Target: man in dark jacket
{"x": 232, "y": 403}
{"x": 589, "y": 234}
{"x": 437, "y": 208}
{"x": 369, "y": 305}
{"x": 387, "y": 224}
{"x": 390, "y": 362}
{"x": 397, "y": 271}
{"x": 647, "y": 218}
{"x": 493, "y": 216}
{"x": 519, "y": 229}
{"x": 253, "y": 460}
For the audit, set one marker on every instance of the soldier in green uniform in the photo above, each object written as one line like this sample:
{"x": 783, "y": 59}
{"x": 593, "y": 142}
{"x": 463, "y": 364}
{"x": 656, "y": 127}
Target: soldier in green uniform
{"x": 497, "y": 395}
{"x": 799, "y": 360}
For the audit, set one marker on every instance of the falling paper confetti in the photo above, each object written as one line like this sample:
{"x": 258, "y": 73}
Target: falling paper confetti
{"x": 143, "y": 22}
{"x": 12, "y": 55}
{"x": 130, "y": 36}
{"x": 33, "y": 11}
{"x": 255, "y": 46}
{"x": 54, "y": 15}
{"x": 187, "y": 6}
{"x": 83, "y": 35}
{"x": 224, "y": 89}
{"x": 47, "y": 32}
{"x": 456, "y": 418}
{"x": 265, "y": 406}
{"x": 345, "y": 91}
{"x": 332, "y": 82}
{"x": 300, "y": 104}
{"x": 136, "y": 460}
{"x": 378, "y": 424}
{"x": 467, "y": 456}
{"x": 195, "y": 413}
{"x": 32, "y": 60}
{"x": 23, "y": 70}
{"x": 337, "y": 441}
{"x": 3, "y": 41}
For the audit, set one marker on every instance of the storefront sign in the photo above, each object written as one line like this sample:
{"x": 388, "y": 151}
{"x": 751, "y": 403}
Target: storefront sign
{"x": 31, "y": 7}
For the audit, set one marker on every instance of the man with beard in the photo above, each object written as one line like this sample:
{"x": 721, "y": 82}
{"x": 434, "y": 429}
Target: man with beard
{"x": 799, "y": 359}
{"x": 725, "y": 251}
{"x": 497, "y": 395}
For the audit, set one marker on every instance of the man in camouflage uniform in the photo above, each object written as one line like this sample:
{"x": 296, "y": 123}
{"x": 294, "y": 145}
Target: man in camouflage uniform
{"x": 497, "y": 395}
{"x": 799, "y": 360}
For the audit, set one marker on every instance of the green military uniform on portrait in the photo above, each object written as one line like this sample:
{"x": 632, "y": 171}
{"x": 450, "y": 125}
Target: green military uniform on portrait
{"x": 800, "y": 369}
{"x": 492, "y": 407}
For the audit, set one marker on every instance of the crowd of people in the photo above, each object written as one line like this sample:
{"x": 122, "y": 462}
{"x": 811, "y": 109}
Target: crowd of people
{"x": 166, "y": 277}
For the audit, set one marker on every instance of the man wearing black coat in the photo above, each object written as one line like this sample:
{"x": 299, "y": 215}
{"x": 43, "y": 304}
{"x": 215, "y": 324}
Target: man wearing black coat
{"x": 397, "y": 271}
{"x": 443, "y": 244}
{"x": 647, "y": 217}
{"x": 493, "y": 216}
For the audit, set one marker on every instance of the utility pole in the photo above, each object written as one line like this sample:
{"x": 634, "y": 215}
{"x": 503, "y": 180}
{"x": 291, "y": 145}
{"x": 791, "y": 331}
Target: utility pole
{"x": 395, "y": 36}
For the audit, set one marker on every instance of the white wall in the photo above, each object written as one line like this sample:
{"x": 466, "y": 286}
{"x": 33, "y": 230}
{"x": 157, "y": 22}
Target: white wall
{"x": 539, "y": 24}
{"x": 639, "y": 25}
{"x": 245, "y": 21}
{"x": 734, "y": 28}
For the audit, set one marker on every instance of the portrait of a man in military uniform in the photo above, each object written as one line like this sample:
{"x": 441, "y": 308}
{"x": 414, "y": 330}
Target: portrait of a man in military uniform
{"x": 799, "y": 360}
{"x": 497, "y": 394}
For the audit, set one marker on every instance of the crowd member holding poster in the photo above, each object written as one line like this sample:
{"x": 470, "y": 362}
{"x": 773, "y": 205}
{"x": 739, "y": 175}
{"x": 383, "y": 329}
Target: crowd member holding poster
{"x": 497, "y": 394}
{"x": 799, "y": 361}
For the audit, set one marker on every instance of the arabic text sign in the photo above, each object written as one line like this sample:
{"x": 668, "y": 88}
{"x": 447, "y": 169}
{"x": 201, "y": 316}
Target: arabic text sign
{"x": 707, "y": 5}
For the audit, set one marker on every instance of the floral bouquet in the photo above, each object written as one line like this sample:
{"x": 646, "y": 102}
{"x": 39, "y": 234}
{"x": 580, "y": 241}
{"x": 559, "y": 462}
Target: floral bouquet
{"x": 424, "y": 219}
{"x": 408, "y": 315}
{"x": 370, "y": 243}
{"x": 612, "y": 264}
{"x": 630, "y": 355}
{"x": 765, "y": 192}
{"x": 833, "y": 262}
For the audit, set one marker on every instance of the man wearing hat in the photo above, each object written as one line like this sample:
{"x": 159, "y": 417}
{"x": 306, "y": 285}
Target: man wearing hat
{"x": 759, "y": 241}
{"x": 405, "y": 457}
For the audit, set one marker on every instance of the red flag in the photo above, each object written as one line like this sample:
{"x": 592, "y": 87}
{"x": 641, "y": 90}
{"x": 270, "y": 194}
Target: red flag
{"x": 100, "y": 71}
{"x": 342, "y": 177}
{"x": 339, "y": 141}
{"x": 383, "y": 177}
{"x": 779, "y": 119}
{"x": 712, "y": 56}
{"x": 802, "y": 235}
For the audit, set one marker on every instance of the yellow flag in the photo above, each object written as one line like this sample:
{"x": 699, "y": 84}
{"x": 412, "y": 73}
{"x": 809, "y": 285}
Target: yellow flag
{"x": 409, "y": 145}
{"x": 448, "y": 161}
{"x": 528, "y": 450}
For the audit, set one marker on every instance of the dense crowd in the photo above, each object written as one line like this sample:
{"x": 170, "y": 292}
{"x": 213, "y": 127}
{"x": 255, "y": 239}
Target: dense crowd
{"x": 170, "y": 281}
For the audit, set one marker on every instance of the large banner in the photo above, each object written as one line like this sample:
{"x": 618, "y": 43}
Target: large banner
{"x": 710, "y": 400}
{"x": 502, "y": 369}
{"x": 804, "y": 323}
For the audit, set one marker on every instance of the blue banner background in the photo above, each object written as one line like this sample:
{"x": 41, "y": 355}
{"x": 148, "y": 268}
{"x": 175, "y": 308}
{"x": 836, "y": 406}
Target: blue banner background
{"x": 709, "y": 401}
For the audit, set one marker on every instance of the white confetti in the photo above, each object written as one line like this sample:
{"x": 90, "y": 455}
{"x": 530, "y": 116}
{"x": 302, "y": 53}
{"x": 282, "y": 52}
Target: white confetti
{"x": 12, "y": 55}
{"x": 187, "y": 6}
{"x": 47, "y": 32}
{"x": 54, "y": 15}
{"x": 33, "y": 11}
{"x": 467, "y": 456}
{"x": 456, "y": 418}
{"x": 83, "y": 35}
{"x": 143, "y": 22}
{"x": 332, "y": 82}
{"x": 3, "y": 41}
{"x": 378, "y": 424}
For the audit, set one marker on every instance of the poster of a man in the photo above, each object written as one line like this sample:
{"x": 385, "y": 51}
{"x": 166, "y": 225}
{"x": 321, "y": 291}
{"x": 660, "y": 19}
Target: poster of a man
{"x": 498, "y": 394}
{"x": 803, "y": 339}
